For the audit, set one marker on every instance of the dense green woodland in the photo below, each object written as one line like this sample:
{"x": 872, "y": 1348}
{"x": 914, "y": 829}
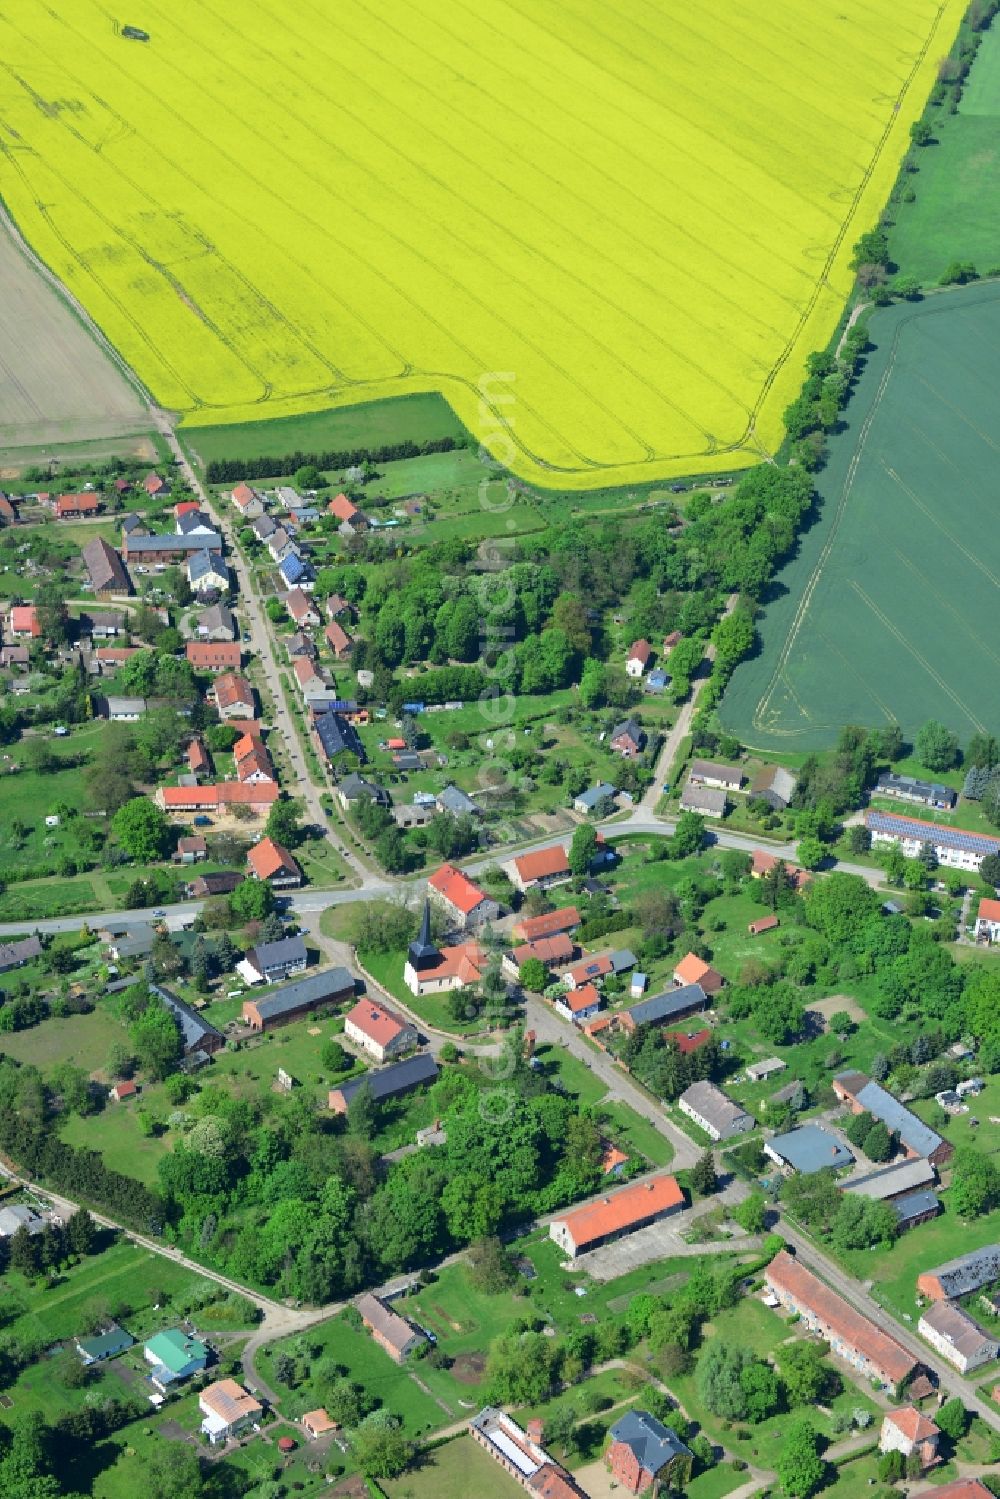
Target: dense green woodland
{"x": 536, "y": 613}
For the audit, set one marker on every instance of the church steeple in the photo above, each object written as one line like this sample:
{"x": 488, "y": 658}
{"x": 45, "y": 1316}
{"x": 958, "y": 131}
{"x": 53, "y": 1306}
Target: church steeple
{"x": 422, "y": 951}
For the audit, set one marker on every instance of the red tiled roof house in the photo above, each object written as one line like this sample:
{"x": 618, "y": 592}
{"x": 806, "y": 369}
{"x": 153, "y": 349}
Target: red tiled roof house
{"x": 378, "y": 1030}
{"x": 213, "y": 655}
{"x": 268, "y": 861}
{"x": 911, "y": 1433}
{"x": 463, "y": 902}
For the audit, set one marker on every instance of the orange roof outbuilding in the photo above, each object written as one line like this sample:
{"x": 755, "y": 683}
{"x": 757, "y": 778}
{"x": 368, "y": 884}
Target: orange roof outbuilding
{"x": 24, "y": 620}
{"x": 87, "y": 503}
{"x": 547, "y": 925}
{"x": 584, "y": 998}
{"x": 376, "y": 1021}
{"x": 597, "y": 1221}
{"x": 694, "y": 970}
{"x": 913, "y": 1425}
{"x": 341, "y": 507}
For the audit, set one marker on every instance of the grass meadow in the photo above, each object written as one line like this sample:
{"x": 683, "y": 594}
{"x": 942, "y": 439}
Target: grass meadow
{"x": 880, "y": 616}
{"x": 415, "y": 418}
{"x": 455, "y": 195}
{"x": 458, "y": 1468}
{"x": 954, "y": 212}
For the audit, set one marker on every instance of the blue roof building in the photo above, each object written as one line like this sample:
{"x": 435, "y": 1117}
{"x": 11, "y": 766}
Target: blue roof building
{"x": 197, "y": 1034}
{"x": 207, "y": 566}
{"x": 644, "y": 1452}
{"x": 807, "y": 1149}
{"x": 916, "y": 1207}
{"x": 294, "y": 570}
{"x": 338, "y": 737}
{"x": 914, "y": 1135}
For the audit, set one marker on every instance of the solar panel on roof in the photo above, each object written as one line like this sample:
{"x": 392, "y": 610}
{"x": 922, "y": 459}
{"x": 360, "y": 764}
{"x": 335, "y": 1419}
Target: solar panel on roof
{"x": 887, "y": 822}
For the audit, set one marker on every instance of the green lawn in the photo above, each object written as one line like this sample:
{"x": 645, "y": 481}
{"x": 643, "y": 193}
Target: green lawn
{"x": 321, "y": 863}
{"x": 116, "y": 1467}
{"x": 732, "y": 945}
{"x": 82, "y": 1039}
{"x": 250, "y": 1072}
{"x": 123, "y": 1280}
{"x": 118, "y": 1138}
{"x": 752, "y": 1325}
{"x": 574, "y": 1076}
{"x": 257, "y": 1460}
{"x": 855, "y": 1480}
{"x": 387, "y": 970}
{"x": 375, "y": 424}
{"x": 254, "y": 1068}
{"x": 390, "y": 1385}
{"x": 631, "y": 1131}
{"x": 893, "y": 1273}
{"x": 36, "y": 900}
{"x": 454, "y": 1471}
{"x": 715, "y": 1483}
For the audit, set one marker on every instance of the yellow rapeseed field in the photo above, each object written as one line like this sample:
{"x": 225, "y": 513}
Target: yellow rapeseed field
{"x": 609, "y": 234}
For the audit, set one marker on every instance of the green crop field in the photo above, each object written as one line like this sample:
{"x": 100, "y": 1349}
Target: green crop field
{"x": 956, "y": 212}
{"x": 884, "y": 613}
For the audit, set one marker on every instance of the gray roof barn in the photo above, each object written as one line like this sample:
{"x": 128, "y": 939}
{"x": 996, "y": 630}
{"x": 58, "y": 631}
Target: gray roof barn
{"x": 195, "y": 1031}
{"x": 917, "y": 1136}
{"x": 968, "y": 1272}
{"x": 669, "y": 1006}
{"x": 389, "y": 1082}
{"x": 716, "y": 1108}
{"x": 13, "y": 954}
{"x": 19, "y": 1216}
{"x": 892, "y": 1181}
{"x": 452, "y": 800}
{"x": 201, "y": 540}
{"x": 773, "y": 784}
{"x": 219, "y": 621}
{"x": 332, "y": 984}
{"x": 707, "y": 799}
